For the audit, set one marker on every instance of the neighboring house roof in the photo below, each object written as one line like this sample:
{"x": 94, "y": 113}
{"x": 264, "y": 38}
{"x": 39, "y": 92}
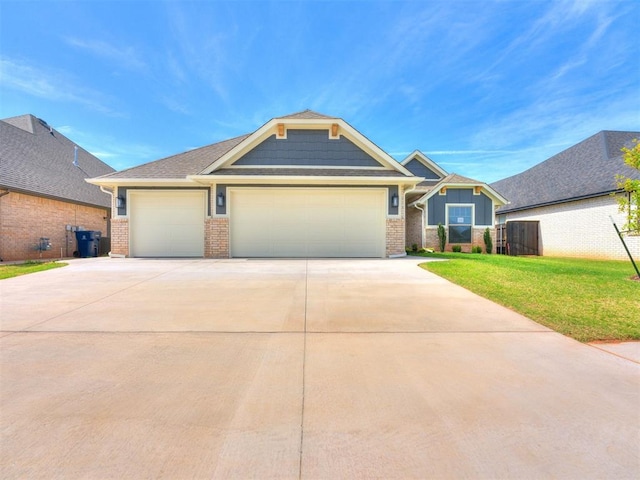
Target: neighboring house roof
{"x": 233, "y": 158}
{"x": 37, "y": 159}
{"x": 585, "y": 170}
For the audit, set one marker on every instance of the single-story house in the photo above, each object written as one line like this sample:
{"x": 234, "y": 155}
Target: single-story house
{"x": 572, "y": 197}
{"x": 43, "y": 193}
{"x": 302, "y": 185}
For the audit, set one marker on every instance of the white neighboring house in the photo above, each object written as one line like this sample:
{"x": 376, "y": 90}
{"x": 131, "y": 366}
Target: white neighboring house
{"x": 572, "y": 196}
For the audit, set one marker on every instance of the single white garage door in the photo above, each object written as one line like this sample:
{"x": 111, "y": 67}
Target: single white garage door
{"x": 167, "y": 223}
{"x": 307, "y": 222}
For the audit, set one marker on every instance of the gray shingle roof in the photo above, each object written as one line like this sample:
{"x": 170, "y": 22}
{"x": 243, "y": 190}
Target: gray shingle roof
{"x": 37, "y": 159}
{"x": 459, "y": 179}
{"x": 587, "y": 169}
{"x": 182, "y": 164}
{"x": 307, "y": 114}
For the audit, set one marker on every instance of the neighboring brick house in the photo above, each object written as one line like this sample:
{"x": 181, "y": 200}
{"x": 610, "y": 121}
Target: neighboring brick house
{"x": 302, "y": 185}
{"x": 465, "y": 207}
{"x": 572, "y": 197}
{"x": 43, "y": 190}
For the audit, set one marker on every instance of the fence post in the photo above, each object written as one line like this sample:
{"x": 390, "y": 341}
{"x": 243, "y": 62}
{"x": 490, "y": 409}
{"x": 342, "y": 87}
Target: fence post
{"x": 625, "y": 246}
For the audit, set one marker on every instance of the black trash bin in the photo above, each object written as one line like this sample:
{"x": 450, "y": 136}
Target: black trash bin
{"x": 88, "y": 243}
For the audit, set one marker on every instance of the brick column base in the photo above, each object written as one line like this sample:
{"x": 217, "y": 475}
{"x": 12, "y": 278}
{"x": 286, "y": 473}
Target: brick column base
{"x": 120, "y": 236}
{"x": 395, "y": 237}
{"x": 216, "y": 232}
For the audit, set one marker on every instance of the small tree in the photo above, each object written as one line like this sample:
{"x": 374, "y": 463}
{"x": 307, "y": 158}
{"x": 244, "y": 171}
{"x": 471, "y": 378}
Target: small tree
{"x": 630, "y": 203}
{"x": 488, "y": 243}
{"x": 442, "y": 237}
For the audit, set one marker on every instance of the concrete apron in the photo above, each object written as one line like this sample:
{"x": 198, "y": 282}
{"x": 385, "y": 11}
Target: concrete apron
{"x": 136, "y": 368}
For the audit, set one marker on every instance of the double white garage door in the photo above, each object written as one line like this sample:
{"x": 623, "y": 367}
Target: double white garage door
{"x": 265, "y": 222}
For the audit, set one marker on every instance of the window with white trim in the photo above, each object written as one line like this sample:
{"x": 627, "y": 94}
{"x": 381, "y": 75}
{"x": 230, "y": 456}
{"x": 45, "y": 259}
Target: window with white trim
{"x": 460, "y": 221}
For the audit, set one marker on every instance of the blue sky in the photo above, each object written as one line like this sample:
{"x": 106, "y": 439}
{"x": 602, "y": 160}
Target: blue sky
{"x": 487, "y": 89}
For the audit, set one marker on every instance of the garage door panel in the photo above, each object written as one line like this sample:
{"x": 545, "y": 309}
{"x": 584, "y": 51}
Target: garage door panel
{"x": 167, "y": 223}
{"x": 307, "y": 222}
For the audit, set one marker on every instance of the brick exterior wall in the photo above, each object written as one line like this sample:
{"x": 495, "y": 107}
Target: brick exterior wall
{"x": 395, "y": 237}
{"x": 477, "y": 238}
{"x": 25, "y": 218}
{"x": 216, "y": 233}
{"x": 413, "y": 227}
{"x": 581, "y": 229}
{"x": 120, "y": 236}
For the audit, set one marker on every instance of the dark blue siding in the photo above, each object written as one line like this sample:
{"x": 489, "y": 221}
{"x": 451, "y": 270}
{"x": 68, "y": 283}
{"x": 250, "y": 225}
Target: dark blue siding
{"x": 419, "y": 169}
{"x": 437, "y": 206}
{"x": 308, "y": 148}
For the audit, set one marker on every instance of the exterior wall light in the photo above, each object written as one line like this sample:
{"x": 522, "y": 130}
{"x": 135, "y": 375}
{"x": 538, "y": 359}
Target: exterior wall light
{"x": 121, "y": 202}
{"x": 394, "y": 200}
{"x": 220, "y": 200}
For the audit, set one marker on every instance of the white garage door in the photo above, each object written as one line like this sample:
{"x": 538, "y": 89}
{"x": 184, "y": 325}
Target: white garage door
{"x": 307, "y": 222}
{"x": 167, "y": 223}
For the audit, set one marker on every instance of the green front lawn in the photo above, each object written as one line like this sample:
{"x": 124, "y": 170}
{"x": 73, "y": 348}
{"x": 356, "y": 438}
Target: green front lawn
{"x": 8, "y": 271}
{"x": 585, "y": 299}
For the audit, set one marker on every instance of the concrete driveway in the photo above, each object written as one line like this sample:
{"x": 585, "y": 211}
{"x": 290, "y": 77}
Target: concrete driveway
{"x": 132, "y": 368}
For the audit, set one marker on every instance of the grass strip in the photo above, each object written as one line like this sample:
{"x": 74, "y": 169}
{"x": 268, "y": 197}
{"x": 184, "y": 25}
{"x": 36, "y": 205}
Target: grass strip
{"x": 10, "y": 271}
{"x": 589, "y": 300}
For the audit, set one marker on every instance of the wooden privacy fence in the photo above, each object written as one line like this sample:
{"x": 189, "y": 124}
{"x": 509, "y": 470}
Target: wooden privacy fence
{"x": 518, "y": 238}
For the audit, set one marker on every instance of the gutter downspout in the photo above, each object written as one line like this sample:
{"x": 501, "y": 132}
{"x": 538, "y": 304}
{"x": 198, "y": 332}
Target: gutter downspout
{"x": 416, "y": 205}
{"x": 110, "y": 193}
{"x": 2, "y": 195}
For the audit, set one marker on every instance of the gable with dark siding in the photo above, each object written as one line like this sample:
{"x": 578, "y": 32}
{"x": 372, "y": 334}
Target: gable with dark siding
{"x": 419, "y": 169}
{"x": 483, "y": 206}
{"x": 307, "y": 148}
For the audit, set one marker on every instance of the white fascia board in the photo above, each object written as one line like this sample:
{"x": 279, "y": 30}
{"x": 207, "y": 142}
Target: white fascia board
{"x": 302, "y": 179}
{"x": 498, "y": 199}
{"x": 271, "y": 126}
{"x": 243, "y": 147}
{"x": 150, "y": 182}
{"x": 422, "y": 158}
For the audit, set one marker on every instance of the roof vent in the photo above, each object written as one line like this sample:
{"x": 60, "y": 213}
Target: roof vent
{"x": 45, "y": 125}
{"x": 75, "y": 156}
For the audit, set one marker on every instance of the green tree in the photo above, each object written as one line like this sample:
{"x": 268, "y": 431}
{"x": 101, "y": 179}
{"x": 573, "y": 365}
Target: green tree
{"x": 442, "y": 237}
{"x": 630, "y": 203}
{"x": 488, "y": 242}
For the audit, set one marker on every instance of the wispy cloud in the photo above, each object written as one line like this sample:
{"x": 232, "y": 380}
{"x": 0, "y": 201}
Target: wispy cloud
{"x": 126, "y": 57}
{"x": 175, "y": 105}
{"x": 203, "y": 48}
{"x": 123, "y": 155}
{"x": 468, "y": 152}
{"x": 51, "y": 85}
{"x": 117, "y": 153}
